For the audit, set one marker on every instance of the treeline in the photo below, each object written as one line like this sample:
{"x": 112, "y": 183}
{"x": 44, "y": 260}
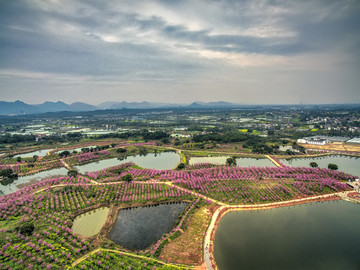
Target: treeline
{"x": 144, "y": 134}
{"x": 8, "y": 138}
{"x": 18, "y": 138}
{"x": 228, "y": 137}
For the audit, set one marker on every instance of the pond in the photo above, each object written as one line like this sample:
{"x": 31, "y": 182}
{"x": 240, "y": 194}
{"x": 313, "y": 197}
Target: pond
{"x": 76, "y": 149}
{"x": 311, "y": 236}
{"x": 258, "y": 162}
{"x": 39, "y": 153}
{"x": 138, "y": 228}
{"x": 90, "y": 223}
{"x": 158, "y": 161}
{"x": 212, "y": 160}
{"x": 241, "y": 162}
{"x": 12, "y": 185}
{"x": 346, "y": 164}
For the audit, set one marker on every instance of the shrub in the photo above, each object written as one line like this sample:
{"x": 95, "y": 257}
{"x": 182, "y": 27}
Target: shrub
{"x": 181, "y": 166}
{"x": 314, "y": 164}
{"x": 332, "y": 166}
{"x": 127, "y": 178}
{"x": 27, "y": 228}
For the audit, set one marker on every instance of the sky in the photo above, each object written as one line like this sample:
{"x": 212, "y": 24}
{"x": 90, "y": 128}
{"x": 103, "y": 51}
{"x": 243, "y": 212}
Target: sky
{"x": 240, "y": 51}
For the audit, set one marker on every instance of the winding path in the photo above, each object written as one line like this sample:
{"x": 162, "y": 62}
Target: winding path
{"x": 127, "y": 254}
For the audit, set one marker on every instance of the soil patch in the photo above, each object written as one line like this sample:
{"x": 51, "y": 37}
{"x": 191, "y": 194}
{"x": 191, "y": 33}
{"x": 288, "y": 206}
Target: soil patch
{"x": 188, "y": 247}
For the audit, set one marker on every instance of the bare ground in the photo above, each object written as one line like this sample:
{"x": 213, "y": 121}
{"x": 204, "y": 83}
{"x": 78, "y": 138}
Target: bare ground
{"x": 337, "y": 146}
{"x": 187, "y": 248}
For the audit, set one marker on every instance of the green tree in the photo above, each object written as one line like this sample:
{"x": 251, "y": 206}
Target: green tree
{"x": 127, "y": 178}
{"x": 231, "y": 161}
{"x": 27, "y": 228}
{"x": 181, "y": 166}
{"x": 72, "y": 173}
{"x": 143, "y": 151}
{"x": 120, "y": 150}
{"x": 6, "y": 172}
{"x": 332, "y": 166}
{"x": 314, "y": 164}
{"x": 64, "y": 153}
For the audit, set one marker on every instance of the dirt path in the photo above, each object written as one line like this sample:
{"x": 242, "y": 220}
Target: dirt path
{"x": 274, "y": 161}
{"x": 87, "y": 255}
{"x": 67, "y": 166}
{"x": 193, "y": 193}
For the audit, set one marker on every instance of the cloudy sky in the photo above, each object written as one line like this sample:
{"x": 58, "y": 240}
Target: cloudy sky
{"x": 242, "y": 51}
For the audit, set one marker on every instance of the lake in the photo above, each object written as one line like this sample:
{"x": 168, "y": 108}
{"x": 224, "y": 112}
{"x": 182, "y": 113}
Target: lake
{"x": 310, "y": 236}
{"x": 158, "y": 161}
{"x": 241, "y": 162}
{"x": 39, "y": 153}
{"x": 258, "y": 162}
{"x": 11, "y": 186}
{"x": 76, "y": 149}
{"x": 138, "y": 228}
{"x": 346, "y": 164}
{"x": 90, "y": 223}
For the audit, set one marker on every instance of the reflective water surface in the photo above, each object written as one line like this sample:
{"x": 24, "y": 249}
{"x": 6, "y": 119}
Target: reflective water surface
{"x": 138, "y": 228}
{"x": 311, "y": 236}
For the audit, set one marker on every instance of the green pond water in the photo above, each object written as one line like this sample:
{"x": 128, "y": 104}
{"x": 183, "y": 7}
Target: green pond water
{"x": 158, "y": 161}
{"x": 10, "y": 186}
{"x": 312, "y": 236}
{"x": 346, "y": 164}
{"x": 90, "y": 223}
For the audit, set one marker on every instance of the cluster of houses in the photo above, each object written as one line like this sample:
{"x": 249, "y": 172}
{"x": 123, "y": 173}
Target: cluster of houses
{"x": 322, "y": 140}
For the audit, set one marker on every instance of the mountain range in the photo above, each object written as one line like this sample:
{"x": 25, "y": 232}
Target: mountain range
{"x": 19, "y": 107}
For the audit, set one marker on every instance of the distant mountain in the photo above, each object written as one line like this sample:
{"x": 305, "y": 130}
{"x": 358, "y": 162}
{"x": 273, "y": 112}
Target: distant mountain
{"x": 83, "y": 107}
{"x": 219, "y": 104}
{"x": 52, "y": 107}
{"x": 18, "y": 107}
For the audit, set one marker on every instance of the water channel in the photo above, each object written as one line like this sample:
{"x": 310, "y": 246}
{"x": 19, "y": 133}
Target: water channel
{"x": 311, "y": 236}
{"x": 138, "y": 228}
{"x": 7, "y": 187}
{"x": 158, "y": 161}
{"x": 39, "y": 153}
{"x": 241, "y": 162}
{"x": 346, "y": 164}
{"x": 258, "y": 162}
{"x": 77, "y": 149}
{"x": 213, "y": 160}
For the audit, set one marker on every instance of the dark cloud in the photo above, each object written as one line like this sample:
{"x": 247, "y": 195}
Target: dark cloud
{"x": 195, "y": 44}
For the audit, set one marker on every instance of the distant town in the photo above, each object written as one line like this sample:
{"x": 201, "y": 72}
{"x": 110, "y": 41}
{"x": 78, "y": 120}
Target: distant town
{"x": 158, "y": 188}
